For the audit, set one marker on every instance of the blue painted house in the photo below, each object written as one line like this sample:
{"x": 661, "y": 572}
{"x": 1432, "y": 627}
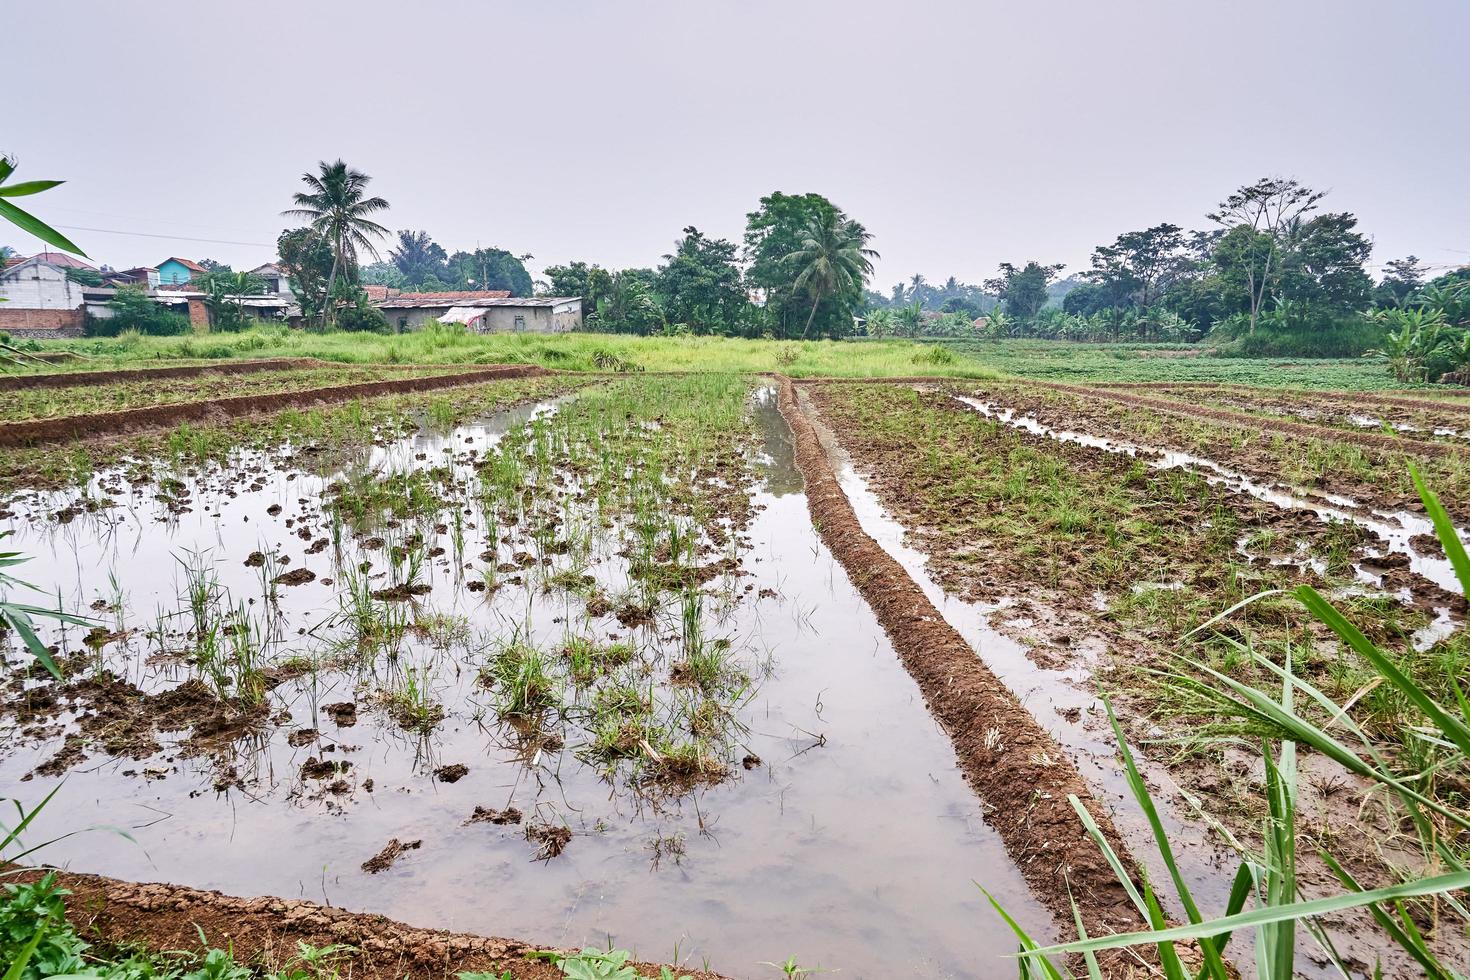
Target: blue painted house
{"x": 174, "y": 271}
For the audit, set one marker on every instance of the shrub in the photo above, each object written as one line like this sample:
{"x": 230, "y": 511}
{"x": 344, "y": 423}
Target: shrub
{"x": 133, "y": 310}
{"x": 362, "y": 319}
{"x": 1343, "y": 337}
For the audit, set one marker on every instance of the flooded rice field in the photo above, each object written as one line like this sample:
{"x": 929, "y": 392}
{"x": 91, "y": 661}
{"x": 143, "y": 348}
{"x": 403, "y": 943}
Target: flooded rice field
{"x": 581, "y": 672}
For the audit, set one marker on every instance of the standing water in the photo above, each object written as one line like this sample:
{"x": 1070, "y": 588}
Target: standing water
{"x": 841, "y": 832}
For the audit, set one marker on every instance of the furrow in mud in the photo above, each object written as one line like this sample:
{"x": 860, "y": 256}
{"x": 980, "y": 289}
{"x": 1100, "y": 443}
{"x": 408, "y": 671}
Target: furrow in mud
{"x": 110, "y": 911}
{"x": 43, "y": 431}
{"x": 1254, "y": 422}
{"x": 1022, "y": 776}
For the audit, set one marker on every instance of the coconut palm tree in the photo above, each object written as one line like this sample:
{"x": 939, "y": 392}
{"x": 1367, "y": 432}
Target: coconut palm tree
{"x": 336, "y": 209}
{"x": 833, "y": 258}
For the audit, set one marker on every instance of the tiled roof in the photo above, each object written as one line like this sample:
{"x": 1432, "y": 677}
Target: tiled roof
{"x": 60, "y": 260}
{"x": 191, "y": 266}
{"x": 376, "y": 293}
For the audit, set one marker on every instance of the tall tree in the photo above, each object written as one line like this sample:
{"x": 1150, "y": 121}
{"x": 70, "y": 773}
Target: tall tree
{"x": 1023, "y": 290}
{"x": 1322, "y": 265}
{"x": 630, "y": 304}
{"x": 490, "y": 268}
{"x": 417, "y": 257}
{"x": 591, "y": 282}
{"x": 306, "y": 257}
{"x": 833, "y": 259}
{"x": 1267, "y": 207}
{"x": 773, "y": 232}
{"x": 700, "y": 283}
{"x": 336, "y": 206}
{"x": 1139, "y": 264}
{"x": 1402, "y": 278}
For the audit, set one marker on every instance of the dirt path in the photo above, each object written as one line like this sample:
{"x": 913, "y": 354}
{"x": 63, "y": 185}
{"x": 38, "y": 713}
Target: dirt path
{"x": 999, "y": 744}
{"x": 162, "y": 917}
{"x": 42, "y": 431}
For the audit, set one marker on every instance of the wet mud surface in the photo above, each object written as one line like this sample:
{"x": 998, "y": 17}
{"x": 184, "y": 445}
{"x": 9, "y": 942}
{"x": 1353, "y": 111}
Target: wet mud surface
{"x": 1362, "y": 470}
{"x": 167, "y": 916}
{"x": 735, "y": 817}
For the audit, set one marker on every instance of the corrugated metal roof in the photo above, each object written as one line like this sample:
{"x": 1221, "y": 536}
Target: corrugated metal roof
{"x": 536, "y": 301}
{"x": 406, "y": 301}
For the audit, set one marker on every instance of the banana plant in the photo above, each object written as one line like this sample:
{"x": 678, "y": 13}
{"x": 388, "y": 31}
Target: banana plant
{"x": 24, "y": 220}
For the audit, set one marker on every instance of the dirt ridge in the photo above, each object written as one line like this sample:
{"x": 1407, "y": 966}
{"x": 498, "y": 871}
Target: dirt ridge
{"x": 999, "y": 744}
{"x": 165, "y": 916}
{"x": 75, "y": 379}
{"x": 75, "y": 427}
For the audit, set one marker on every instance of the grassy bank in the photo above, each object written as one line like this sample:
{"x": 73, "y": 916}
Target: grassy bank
{"x": 569, "y": 352}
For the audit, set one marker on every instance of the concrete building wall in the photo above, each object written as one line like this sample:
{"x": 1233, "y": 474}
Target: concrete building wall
{"x": 567, "y": 316}
{"x": 497, "y": 319}
{"x": 405, "y": 321}
{"x": 40, "y": 287}
{"x": 516, "y": 319}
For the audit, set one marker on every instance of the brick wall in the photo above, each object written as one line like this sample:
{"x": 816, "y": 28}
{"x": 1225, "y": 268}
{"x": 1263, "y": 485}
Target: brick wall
{"x": 198, "y": 315}
{"x": 40, "y": 324}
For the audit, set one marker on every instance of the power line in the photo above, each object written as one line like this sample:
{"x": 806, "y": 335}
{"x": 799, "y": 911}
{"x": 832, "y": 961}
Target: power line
{"x": 170, "y": 238}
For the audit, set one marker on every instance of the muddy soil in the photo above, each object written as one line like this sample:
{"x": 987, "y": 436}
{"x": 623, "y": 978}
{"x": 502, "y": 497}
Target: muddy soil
{"x": 109, "y": 424}
{"x": 1426, "y": 418}
{"x": 1286, "y": 427}
{"x": 999, "y": 743}
{"x": 1338, "y": 466}
{"x": 109, "y": 912}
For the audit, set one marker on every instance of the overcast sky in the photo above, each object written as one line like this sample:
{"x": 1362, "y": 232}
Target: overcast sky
{"x": 962, "y": 133}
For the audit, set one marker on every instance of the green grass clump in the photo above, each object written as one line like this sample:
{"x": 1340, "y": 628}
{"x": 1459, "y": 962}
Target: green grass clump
{"x": 568, "y": 352}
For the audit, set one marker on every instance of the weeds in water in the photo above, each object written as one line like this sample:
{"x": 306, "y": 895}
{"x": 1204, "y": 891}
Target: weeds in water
{"x": 521, "y": 677}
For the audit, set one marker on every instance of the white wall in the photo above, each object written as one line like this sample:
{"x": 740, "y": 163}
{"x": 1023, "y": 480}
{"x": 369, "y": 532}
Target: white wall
{"x": 40, "y": 287}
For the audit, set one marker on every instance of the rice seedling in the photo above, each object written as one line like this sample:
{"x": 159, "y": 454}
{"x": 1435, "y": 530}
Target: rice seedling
{"x": 521, "y": 677}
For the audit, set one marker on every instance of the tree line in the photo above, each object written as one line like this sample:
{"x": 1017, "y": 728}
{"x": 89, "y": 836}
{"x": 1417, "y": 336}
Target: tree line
{"x": 799, "y": 271}
{"x": 1273, "y": 272}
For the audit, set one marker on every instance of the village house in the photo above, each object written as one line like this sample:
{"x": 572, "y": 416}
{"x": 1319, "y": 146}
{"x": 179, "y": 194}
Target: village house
{"x": 482, "y": 311}
{"x": 43, "y": 299}
{"x": 174, "y": 271}
{"x": 277, "y": 282}
{"x": 40, "y": 299}
{"x": 520, "y": 314}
